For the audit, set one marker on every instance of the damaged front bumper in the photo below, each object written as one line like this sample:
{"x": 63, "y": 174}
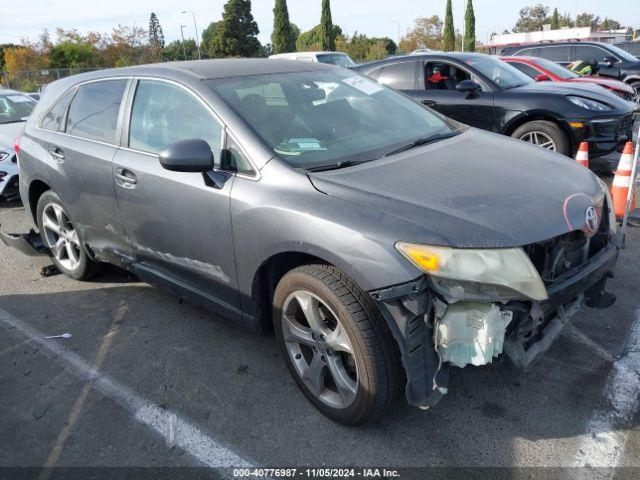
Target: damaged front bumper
{"x": 434, "y": 333}
{"x": 27, "y": 243}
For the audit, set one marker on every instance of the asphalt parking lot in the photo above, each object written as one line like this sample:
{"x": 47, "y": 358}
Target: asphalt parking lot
{"x": 148, "y": 380}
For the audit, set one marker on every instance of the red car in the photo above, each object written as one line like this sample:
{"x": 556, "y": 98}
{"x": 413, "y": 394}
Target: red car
{"x": 543, "y": 70}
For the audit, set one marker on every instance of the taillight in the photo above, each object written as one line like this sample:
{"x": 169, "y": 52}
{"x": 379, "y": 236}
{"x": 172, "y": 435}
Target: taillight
{"x": 16, "y": 145}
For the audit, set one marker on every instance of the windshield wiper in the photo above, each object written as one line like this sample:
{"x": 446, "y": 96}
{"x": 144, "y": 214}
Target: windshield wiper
{"x": 335, "y": 166}
{"x": 423, "y": 141}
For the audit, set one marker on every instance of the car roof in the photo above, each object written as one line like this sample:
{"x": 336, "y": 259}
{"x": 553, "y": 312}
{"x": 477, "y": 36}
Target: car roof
{"x": 552, "y": 44}
{"x": 211, "y": 69}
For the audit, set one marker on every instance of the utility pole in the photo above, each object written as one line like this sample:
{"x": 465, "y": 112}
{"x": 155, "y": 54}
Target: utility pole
{"x": 184, "y": 50}
{"x": 195, "y": 26}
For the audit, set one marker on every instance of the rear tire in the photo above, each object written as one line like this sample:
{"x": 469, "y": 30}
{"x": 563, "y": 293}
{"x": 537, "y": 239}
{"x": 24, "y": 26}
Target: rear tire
{"x": 61, "y": 237}
{"x": 544, "y": 134}
{"x": 356, "y": 362}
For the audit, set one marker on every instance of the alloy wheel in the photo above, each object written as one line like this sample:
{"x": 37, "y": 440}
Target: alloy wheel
{"x": 320, "y": 349}
{"x": 540, "y": 139}
{"x": 60, "y": 236}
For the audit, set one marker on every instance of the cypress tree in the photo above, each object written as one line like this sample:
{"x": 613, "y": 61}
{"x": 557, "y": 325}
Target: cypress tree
{"x": 328, "y": 41}
{"x": 236, "y": 34}
{"x": 555, "y": 20}
{"x": 282, "y": 38}
{"x": 449, "y": 36}
{"x": 156, "y": 37}
{"x": 469, "y": 41}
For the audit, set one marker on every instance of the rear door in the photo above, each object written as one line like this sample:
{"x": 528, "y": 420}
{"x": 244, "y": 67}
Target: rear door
{"x": 179, "y": 223}
{"x": 562, "y": 54}
{"x": 81, "y": 142}
{"x": 595, "y": 54}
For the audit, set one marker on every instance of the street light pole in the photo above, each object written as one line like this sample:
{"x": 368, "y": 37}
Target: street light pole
{"x": 195, "y": 26}
{"x": 184, "y": 50}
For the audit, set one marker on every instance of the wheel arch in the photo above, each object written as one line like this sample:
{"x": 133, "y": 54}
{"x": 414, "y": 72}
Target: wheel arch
{"x": 520, "y": 120}
{"x": 267, "y": 276}
{"x": 36, "y": 189}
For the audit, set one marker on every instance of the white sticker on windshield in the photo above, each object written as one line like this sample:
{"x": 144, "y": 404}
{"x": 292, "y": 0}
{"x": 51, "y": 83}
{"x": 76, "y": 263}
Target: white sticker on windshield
{"x": 366, "y": 86}
{"x": 19, "y": 98}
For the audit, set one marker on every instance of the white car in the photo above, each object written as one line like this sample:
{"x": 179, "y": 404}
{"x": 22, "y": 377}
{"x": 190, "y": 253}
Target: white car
{"x": 15, "y": 107}
{"x": 333, "y": 58}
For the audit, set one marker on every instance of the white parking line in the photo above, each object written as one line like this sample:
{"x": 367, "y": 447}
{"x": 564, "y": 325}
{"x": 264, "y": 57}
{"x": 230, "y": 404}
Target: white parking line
{"x": 604, "y": 443}
{"x": 174, "y": 429}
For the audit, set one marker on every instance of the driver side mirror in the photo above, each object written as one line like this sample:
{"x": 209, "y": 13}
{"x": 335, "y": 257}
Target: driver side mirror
{"x": 542, "y": 78}
{"x": 609, "y": 61}
{"x": 469, "y": 87}
{"x": 192, "y": 155}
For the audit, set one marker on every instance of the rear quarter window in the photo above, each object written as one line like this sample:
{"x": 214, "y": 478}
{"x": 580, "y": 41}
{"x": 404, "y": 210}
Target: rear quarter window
{"x": 93, "y": 113}
{"x": 54, "y": 119}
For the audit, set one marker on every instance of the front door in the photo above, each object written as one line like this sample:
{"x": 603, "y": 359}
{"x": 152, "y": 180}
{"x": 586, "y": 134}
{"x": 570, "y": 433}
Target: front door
{"x": 439, "y": 92}
{"x": 178, "y": 223}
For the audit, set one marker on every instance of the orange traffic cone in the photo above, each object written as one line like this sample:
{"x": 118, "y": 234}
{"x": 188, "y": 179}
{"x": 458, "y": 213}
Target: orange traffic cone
{"x": 622, "y": 182}
{"x": 582, "y": 157}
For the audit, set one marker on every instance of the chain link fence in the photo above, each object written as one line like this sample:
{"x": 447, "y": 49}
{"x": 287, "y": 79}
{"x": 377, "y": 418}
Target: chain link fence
{"x": 36, "y": 80}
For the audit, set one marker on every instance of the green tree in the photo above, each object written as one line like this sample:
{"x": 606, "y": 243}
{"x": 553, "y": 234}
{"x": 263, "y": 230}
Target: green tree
{"x": 295, "y": 33}
{"x": 176, "y": 50}
{"x": 327, "y": 40}
{"x": 236, "y": 35}
{"x": 587, "y": 20}
{"x": 312, "y": 39}
{"x": 469, "y": 41}
{"x": 449, "y": 38}
{"x": 72, "y": 55}
{"x": 282, "y": 40}
{"x": 532, "y": 19}
{"x": 208, "y": 35}
{"x": 609, "y": 24}
{"x": 156, "y": 37}
{"x": 555, "y": 20}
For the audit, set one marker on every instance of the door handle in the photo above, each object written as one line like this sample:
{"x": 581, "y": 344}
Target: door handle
{"x": 57, "y": 154}
{"x": 428, "y": 103}
{"x": 126, "y": 177}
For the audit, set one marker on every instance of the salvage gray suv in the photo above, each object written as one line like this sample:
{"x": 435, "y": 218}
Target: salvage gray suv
{"x": 383, "y": 242}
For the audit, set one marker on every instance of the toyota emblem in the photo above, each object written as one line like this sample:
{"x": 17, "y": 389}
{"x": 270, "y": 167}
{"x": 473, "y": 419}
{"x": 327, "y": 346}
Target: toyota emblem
{"x": 592, "y": 220}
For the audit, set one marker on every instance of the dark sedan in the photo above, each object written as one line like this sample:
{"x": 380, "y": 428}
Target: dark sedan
{"x": 484, "y": 92}
{"x": 383, "y": 242}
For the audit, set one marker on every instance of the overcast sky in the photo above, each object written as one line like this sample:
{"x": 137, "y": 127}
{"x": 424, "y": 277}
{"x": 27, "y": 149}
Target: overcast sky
{"x": 373, "y": 17}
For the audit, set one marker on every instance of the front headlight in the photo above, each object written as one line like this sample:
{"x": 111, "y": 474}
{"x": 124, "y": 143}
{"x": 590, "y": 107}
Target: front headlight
{"x": 588, "y": 104}
{"x": 4, "y": 155}
{"x": 506, "y": 273}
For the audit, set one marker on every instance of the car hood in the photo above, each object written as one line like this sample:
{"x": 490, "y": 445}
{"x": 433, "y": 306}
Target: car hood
{"x": 592, "y": 91}
{"x": 9, "y": 132}
{"x": 605, "y": 82}
{"x": 477, "y": 189}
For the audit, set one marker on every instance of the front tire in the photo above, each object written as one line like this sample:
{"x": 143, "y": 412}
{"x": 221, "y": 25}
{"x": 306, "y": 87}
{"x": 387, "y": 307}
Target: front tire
{"x": 336, "y": 344}
{"x": 544, "y": 134}
{"x": 61, "y": 237}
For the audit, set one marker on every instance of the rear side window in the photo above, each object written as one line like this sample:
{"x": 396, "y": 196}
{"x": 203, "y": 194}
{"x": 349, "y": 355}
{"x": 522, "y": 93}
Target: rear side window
{"x": 556, "y": 54}
{"x": 592, "y": 54}
{"x": 529, "y": 52}
{"x": 93, "y": 113}
{"x": 526, "y": 69}
{"x": 164, "y": 113}
{"x": 54, "y": 119}
{"x": 401, "y": 76}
